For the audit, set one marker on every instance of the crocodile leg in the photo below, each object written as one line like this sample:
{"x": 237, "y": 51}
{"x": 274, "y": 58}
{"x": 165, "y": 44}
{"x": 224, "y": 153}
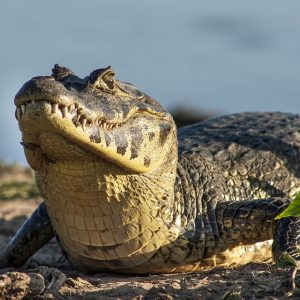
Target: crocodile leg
{"x": 33, "y": 234}
{"x": 287, "y": 238}
{"x": 251, "y": 221}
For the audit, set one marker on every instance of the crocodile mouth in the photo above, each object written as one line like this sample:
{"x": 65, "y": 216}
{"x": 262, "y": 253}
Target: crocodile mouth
{"x": 80, "y": 116}
{"x": 72, "y": 112}
{"x": 129, "y": 144}
{"x": 46, "y": 122}
{"x": 115, "y": 121}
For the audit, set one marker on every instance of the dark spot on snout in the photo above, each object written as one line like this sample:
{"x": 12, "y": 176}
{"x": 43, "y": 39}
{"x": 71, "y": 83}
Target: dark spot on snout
{"x": 108, "y": 139}
{"x": 136, "y": 141}
{"x": 151, "y": 136}
{"x": 107, "y": 109}
{"x": 164, "y": 130}
{"x": 147, "y": 161}
{"x": 95, "y": 138}
{"x": 121, "y": 143}
{"x": 125, "y": 109}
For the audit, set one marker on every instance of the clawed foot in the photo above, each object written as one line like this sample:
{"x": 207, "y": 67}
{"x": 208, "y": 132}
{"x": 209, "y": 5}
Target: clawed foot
{"x": 54, "y": 278}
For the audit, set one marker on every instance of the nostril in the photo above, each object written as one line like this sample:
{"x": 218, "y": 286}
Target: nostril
{"x": 59, "y": 72}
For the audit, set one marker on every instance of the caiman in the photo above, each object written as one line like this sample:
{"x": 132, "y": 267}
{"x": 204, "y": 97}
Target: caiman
{"x": 124, "y": 192}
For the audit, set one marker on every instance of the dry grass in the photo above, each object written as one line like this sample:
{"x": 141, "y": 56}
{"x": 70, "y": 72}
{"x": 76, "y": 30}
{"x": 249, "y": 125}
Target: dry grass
{"x": 16, "y": 182}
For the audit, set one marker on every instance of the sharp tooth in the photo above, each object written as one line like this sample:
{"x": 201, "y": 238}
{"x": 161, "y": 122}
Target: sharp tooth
{"x": 23, "y": 108}
{"x": 104, "y": 125}
{"x": 18, "y": 113}
{"x": 54, "y": 107}
{"x": 64, "y": 111}
{"x": 71, "y": 107}
{"x": 83, "y": 122}
{"x": 99, "y": 122}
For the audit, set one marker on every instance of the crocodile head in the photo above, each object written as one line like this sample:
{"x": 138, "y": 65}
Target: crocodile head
{"x": 105, "y": 156}
{"x": 107, "y": 118}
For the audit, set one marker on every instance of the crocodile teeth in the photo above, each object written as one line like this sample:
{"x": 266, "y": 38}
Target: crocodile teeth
{"x": 18, "y": 113}
{"x": 64, "y": 111}
{"x": 72, "y": 107}
{"x": 71, "y": 111}
{"x": 54, "y": 107}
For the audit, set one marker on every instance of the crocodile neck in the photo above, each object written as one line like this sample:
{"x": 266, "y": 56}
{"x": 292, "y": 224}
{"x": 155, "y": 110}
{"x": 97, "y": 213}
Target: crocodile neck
{"x": 116, "y": 212}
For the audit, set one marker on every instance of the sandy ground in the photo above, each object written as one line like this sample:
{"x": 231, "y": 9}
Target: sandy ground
{"x": 253, "y": 281}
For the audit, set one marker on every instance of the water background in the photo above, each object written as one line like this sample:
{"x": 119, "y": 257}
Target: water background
{"x": 212, "y": 56}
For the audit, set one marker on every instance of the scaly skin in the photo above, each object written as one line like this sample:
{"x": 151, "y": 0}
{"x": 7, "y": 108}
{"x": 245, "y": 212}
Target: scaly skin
{"x": 120, "y": 198}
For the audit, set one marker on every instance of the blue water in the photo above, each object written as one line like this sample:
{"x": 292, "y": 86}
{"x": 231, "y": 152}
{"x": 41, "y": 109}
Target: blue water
{"x": 212, "y": 56}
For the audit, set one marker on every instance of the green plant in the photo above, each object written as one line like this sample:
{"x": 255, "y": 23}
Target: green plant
{"x": 293, "y": 210}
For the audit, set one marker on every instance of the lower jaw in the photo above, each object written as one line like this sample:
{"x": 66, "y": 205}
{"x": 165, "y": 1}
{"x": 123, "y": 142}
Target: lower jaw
{"x": 52, "y": 149}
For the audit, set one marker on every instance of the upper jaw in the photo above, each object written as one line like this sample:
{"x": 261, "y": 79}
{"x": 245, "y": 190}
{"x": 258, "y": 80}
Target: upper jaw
{"x": 79, "y": 115}
{"x": 85, "y": 108}
{"x": 44, "y": 88}
{"x": 68, "y": 104}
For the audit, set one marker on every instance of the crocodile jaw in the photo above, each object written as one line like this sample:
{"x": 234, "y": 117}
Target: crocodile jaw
{"x": 104, "y": 211}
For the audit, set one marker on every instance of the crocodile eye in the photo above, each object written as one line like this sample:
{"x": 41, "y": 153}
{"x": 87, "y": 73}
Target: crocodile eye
{"x": 109, "y": 80}
{"x": 103, "y": 79}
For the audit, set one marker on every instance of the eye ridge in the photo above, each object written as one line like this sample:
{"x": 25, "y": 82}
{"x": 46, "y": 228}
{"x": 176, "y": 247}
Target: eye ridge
{"x": 103, "y": 79}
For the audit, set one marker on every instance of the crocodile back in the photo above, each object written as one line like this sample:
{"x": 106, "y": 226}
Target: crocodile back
{"x": 255, "y": 154}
